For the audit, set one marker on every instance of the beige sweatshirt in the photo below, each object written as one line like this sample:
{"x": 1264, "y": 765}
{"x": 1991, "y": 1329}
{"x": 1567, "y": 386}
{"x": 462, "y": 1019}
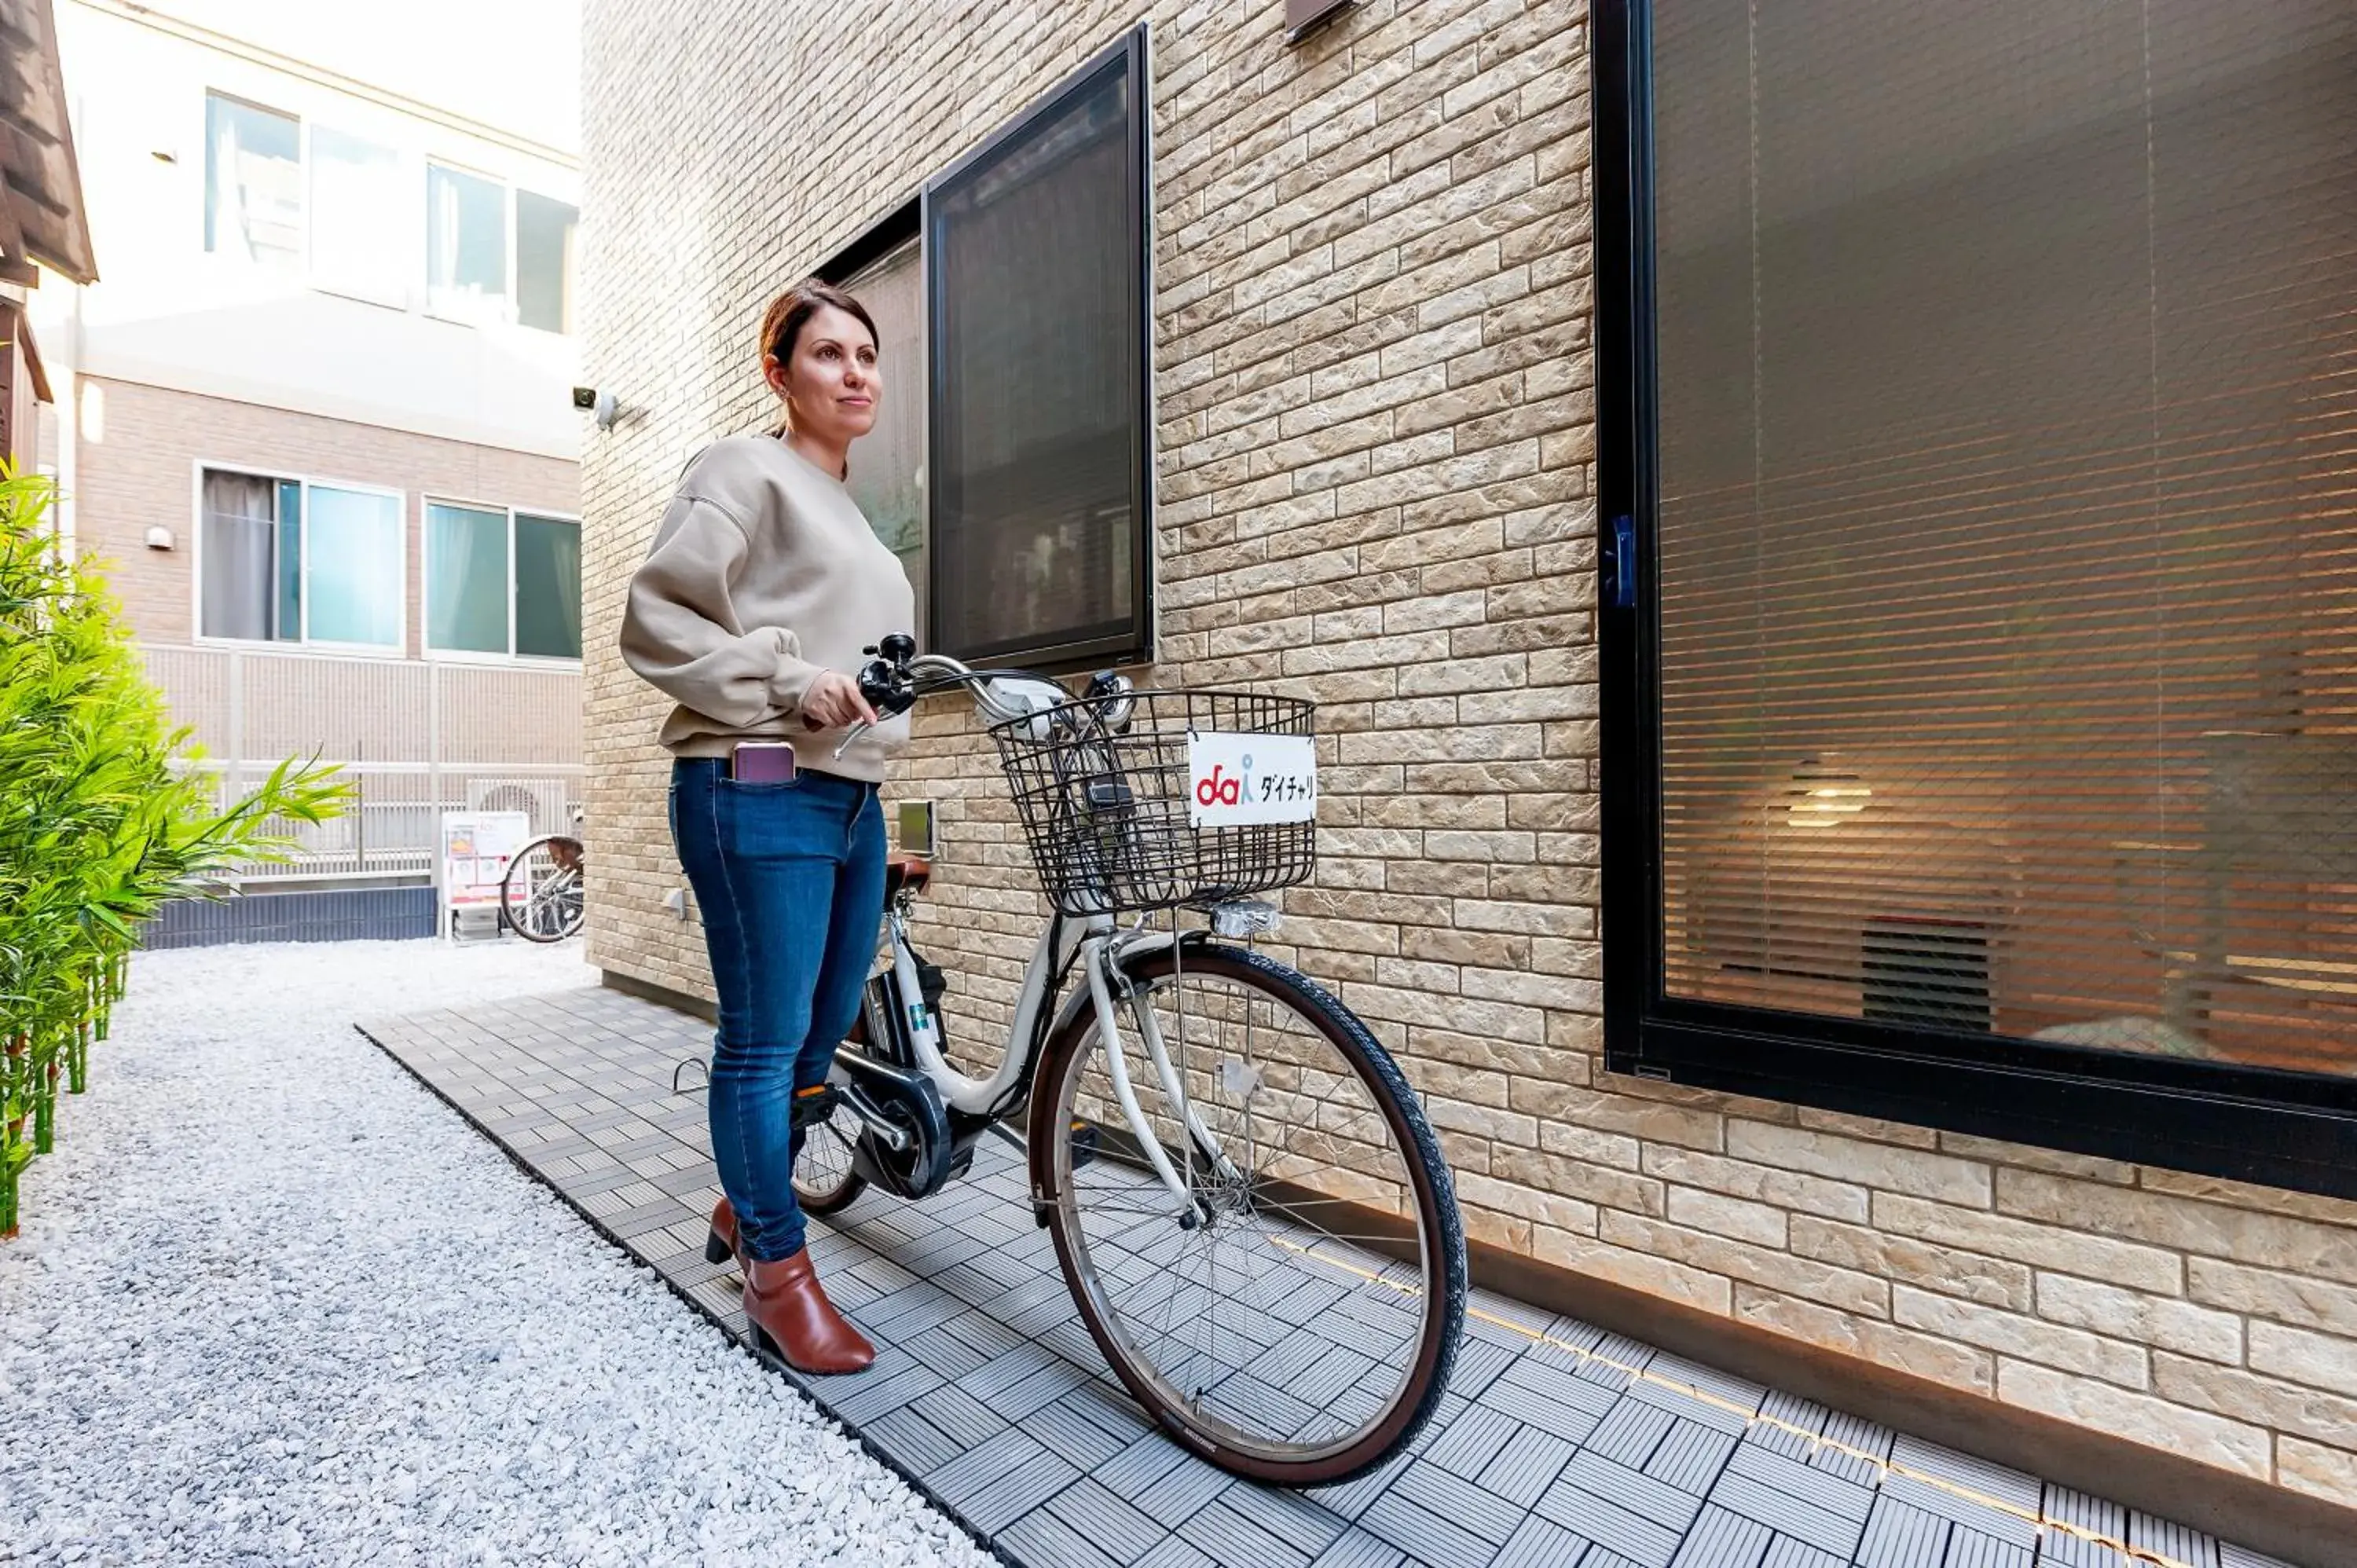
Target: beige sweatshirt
{"x": 763, "y": 573}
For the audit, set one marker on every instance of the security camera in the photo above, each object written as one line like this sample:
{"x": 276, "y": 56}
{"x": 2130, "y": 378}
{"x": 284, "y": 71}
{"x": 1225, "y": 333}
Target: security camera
{"x": 601, "y": 404}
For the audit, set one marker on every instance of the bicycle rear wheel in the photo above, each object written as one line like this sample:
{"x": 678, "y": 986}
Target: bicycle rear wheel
{"x": 1297, "y": 1324}
{"x": 542, "y": 896}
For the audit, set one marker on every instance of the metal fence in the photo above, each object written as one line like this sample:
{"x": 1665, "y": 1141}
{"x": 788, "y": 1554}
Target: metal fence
{"x": 414, "y": 738}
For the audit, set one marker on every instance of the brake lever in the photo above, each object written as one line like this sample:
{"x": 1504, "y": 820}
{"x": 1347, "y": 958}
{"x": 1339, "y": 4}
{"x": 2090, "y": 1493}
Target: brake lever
{"x": 854, "y": 733}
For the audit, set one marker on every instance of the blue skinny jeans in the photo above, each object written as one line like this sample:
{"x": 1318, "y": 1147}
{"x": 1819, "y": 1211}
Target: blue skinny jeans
{"x": 790, "y": 880}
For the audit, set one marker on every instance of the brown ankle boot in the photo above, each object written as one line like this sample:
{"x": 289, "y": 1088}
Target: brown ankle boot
{"x": 721, "y": 1245}
{"x": 791, "y": 1317}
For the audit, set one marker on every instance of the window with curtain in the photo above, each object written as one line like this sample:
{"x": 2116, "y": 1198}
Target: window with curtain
{"x": 2002, "y": 662}
{"x": 254, "y": 183}
{"x": 500, "y": 582}
{"x": 547, "y": 587}
{"x": 888, "y": 465}
{"x": 360, "y": 243}
{"x": 289, "y": 560}
{"x": 1036, "y": 342}
{"x": 465, "y": 244}
{"x": 545, "y": 262}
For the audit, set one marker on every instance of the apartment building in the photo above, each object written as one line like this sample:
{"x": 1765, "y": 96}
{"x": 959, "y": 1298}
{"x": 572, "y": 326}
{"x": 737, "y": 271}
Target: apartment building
{"x": 317, "y": 418}
{"x": 1822, "y": 542}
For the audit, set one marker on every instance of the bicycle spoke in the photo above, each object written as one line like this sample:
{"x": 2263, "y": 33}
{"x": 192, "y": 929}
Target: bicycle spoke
{"x": 1274, "y": 1325}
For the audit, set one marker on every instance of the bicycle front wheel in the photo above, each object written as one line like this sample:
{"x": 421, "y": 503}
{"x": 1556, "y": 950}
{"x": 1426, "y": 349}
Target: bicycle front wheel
{"x": 1294, "y": 1323}
{"x": 542, "y": 894}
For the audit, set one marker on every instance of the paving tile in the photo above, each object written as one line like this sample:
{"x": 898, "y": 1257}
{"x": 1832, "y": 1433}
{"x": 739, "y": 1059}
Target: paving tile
{"x": 1898, "y": 1536}
{"x": 1557, "y": 1444}
{"x": 1549, "y": 1400}
{"x": 1540, "y": 1544}
{"x": 1125, "y": 1531}
{"x": 912, "y": 1440}
{"x": 1170, "y": 1553}
{"x": 1971, "y": 1549}
{"x": 1227, "y": 1535}
{"x": 2066, "y": 1550}
{"x": 967, "y": 1420}
{"x": 1526, "y": 1467}
{"x": 1002, "y": 1501}
{"x": 1604, "y": 1519}
{"x": 1472, "y": 1441}
{"x": 1723, "y": 1540}
{"x": 1794, "y": 1500}
{"x": 1042, "y": 1537}
{"x": 1425, "y": 1535}
{"x": 1690, "y": 1457}
{"x": 1294, "y": 1518}
{"x": 1356, "y": 1548}
{"x": 2174, "y": 1540}
{"x": 978, "y": 1466}
{"x": 1146, "y": 1461}
{"x": 1784, "y": 1552}
{"x": 1460, "y": 1501}
{"x": 1183, "y": 1488}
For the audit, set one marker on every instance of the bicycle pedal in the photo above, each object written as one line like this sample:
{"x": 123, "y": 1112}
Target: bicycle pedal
{"x": 1083, "y": 1142}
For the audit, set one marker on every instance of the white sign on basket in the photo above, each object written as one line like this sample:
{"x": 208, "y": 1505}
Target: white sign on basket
{"x": 1243, "y": 781}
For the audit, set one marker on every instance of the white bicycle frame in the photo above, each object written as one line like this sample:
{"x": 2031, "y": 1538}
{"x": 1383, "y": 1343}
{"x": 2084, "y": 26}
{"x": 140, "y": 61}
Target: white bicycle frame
{"x": 1101, "y": 946}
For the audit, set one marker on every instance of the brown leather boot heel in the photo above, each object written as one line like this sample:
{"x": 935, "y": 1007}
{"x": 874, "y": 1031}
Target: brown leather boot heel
{"x": 792, "y": 1318}
{"x": 721, "y": 1245}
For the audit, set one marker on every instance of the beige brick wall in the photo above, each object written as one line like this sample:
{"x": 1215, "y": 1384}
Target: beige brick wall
{"x": 137, "y": 458}
{"x": 1372, "y": 328}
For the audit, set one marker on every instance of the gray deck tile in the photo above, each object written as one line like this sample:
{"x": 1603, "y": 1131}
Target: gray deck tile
{"x": 1723, "y": 1540}
{"x": 1121, "y": 1528}
{"x": 1041, "y": 1536}
{"x": 1548, "y": 1450}
{"x": 1425, "y": 1535}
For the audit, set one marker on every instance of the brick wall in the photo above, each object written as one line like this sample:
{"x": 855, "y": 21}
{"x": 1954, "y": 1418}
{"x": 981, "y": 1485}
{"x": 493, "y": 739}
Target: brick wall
{"x": 1376, "y": 454}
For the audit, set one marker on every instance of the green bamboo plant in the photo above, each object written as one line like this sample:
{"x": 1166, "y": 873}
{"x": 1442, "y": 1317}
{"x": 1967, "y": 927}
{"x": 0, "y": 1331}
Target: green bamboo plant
{"x": 104, "y": 817}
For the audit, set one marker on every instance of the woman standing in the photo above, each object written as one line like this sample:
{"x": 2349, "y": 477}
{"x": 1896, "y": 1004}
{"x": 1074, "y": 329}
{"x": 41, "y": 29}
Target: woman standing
{"x": 764, "y": 586}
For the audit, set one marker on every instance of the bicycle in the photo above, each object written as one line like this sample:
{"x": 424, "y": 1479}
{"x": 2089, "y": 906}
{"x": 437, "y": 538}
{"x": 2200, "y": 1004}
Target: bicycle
{"x": 543, "y": 895}
{"x": 1259, "y": 1229}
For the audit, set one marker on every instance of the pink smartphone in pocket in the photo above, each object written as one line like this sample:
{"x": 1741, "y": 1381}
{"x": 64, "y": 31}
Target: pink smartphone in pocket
{"x": 762, "y": 762}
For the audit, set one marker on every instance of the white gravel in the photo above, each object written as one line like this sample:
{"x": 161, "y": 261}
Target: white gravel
{"x": 274, "y": 1303}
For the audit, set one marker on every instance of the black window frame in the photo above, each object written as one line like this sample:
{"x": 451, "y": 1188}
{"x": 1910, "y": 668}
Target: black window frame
{"x": 1060, "y": 648}
{"x": 2283, "y": 1129}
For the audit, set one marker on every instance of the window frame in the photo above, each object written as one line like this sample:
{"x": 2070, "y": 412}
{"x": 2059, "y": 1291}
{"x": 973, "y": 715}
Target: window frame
{"x": 505, "y": 313}
{"x": 2275, "y": 1127}
{"x": 1059, "y": 649}
{"x": 411, "y": 238}
{"x": 509, "y": 311}
{"x": 301, "y": 270}
{"x": 511, "y": 659}
{"x": 198, "y": 637}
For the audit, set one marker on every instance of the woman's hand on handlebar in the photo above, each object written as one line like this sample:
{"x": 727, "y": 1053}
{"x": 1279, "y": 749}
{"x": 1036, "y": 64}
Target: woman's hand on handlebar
{"x": 833, "y": 701}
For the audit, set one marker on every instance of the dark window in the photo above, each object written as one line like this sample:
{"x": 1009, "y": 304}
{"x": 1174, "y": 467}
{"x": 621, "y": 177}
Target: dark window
{"x": 1036, "y": 267}
{"x": 1982, "y": 668}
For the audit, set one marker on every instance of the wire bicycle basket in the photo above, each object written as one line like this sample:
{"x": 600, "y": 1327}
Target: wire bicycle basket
{"x": 1105, "y": 805}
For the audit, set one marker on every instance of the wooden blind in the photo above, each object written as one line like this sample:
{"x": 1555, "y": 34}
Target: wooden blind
{"x": 2007, "y": 543}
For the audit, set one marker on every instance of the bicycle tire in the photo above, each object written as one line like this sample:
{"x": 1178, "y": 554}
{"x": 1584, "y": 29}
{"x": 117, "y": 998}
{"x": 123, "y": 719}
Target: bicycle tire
{"x": 1443, "y": 1262}
{"x": 571, "y": 926}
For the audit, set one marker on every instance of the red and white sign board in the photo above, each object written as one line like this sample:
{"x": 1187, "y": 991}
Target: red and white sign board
{"x": 475, "y": 849}
{"x": 1246, "y": 780}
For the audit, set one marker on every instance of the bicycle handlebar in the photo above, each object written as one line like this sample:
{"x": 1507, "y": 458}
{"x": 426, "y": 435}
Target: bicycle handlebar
{"x": 897, "y": 675}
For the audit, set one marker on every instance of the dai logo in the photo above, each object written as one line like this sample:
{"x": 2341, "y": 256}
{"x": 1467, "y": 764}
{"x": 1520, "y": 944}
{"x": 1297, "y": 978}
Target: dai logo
{"x": 1218, "y": 788}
